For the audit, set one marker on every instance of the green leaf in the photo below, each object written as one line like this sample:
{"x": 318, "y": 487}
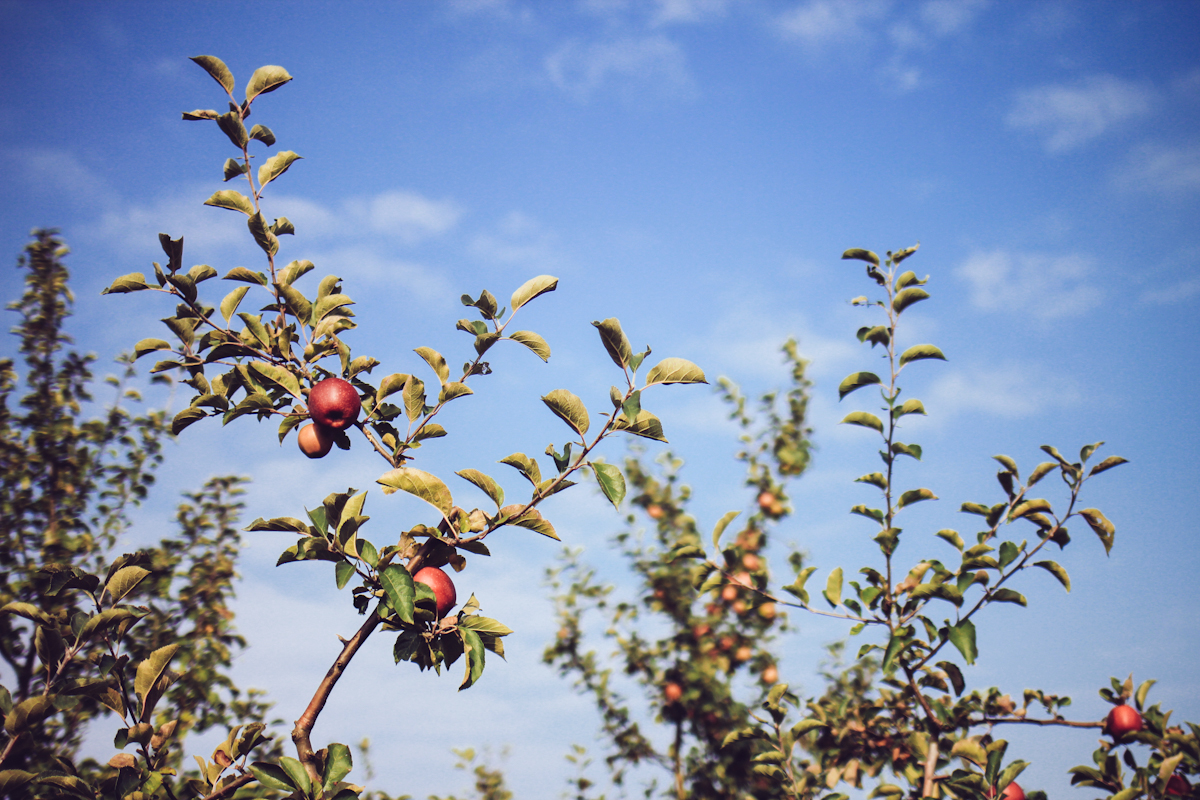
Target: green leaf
{"x": 266, "y": 79}
{"x": 1107, "y": 464}
{"x": 534, "y": 521}
{"x": 233, "y": 169}
{"x": 232, "y": 200}
{"x": 201, "y": 113}
{"x": 962, "y": 636}
{"x": 398, "y": 586}
{"x": 27, "y": 610}
{"x": 857, "y": 380}
{"x": 611, "y": 481}
{"x": 342, "y": 573}
{"x": 1003, "y": 595}
{"x": 954, "y": 674}
{"x": 833, "y": 588}
{"x": 263, "y": 134}
{"x": 484, "y": 482}
{"x": 421, "y": 484}
{"x": 275, "y": 166}
{"x": 534, "y": 342}
{"x": 149, "y": 346}
{"x": 279, "y": 376}
{"x": 338, "y": 764}
{"x": 296, "y": 772}
{"x": 920, "y": 351}
{"x": 1100, "y": 526}
{"x": 911, "y": 406}
{"x": 1040, "y": 471}
{"x": 152, "y": 668}
{"x": 796, "y": 587}
{"x": 1057, "y": 571}
{"x": 569, "y": 408}
{"x": 912, "y": 450}
{"x": 414, "y": 398}
{"x": 231, "y": 302}
{"x": 124, "y": 581}
{"x": 875, "y": 479}
{"x": 271, "y": 776}
{"x": 269, "y": 243}
{"x": 615, "y": 341}
{"x": 907, "y": 297}
{"x": 722, "y": 524}
{"x": 246, "y": 276}
{"x": 473, "y": 649}
{"x": 525, "y": 465}
{"x": 217, "y": 69}
{"x": 915, "y": 496}
{"x": 436, "y": 362}
{"x": 534, "y": 287}
{"x": 645, "y": 425}
{"x": 863, "y": 419}
{"x": 135, "y": 282}
{"x": 952, "y": 537}
{"x": 675, "y": 370}
{"x": 452, "y": 390}
{"x": 478, "y": 623}
{"x": 861, "y": 255}
{"x": 28, "y": 713}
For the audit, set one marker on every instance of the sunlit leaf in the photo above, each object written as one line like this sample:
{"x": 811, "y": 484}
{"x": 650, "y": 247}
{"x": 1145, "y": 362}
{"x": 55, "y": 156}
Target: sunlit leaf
{"x": 611, "y": 481}
{"x": 569, "y": 408}
{"x": 266, "y": 79}
{"x": 675, "y": 370}
{"x": 856, "y": 380}
{"x": 421, "y": 484}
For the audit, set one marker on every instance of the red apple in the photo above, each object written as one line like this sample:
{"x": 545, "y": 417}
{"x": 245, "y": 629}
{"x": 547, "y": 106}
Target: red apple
{"x": 655, "y": 511}
{"x": 443, "y": 588}
{"x": 729, "y": 593}
{"x": 1011, "y": 792}
{"x": 751, "y": 562}
{"x": 334, "y": 403}
{"x": 770, "y": 674}
{"x": 1121, "y": 720}
{"x": 315, "y": 440}
{"x": 744, "y": 653}
{"x": 766, "y": 500}
{"x": 672, "y": 691}
{"x": 1177, "y": 785}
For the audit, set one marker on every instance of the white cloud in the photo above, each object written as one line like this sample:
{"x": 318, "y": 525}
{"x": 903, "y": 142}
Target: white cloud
{"x": 1070, "y": 116}
{"x": 688, "y": 10}
{"x": 1011, "y": 392}
{"x": 407, "y": 215}
{"x": 1043, "y": 286}
{"x": 634, "y": 65}
{"x": 57, "y": 171}
{"x": 364, "y": 264}
{"x": 820, "y": 22}
{"x": 518, "y": 239}
{"x": 1183, "y": 290}
{"x": 948, "y": 17}
{"x": 1161, "y": 168}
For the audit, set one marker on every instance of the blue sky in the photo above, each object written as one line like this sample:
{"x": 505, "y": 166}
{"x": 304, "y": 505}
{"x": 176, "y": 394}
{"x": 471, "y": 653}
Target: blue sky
{"x": 694, "y": 168}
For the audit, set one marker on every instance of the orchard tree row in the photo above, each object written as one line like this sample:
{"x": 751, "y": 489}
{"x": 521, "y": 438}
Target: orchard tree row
{"x": 142, "y": 642}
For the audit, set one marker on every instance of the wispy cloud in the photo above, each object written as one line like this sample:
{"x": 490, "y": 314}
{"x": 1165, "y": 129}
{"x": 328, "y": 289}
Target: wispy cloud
{"x": 897, "y": 32}
{"x": 1176, "y": 293}
{"x": 818, "y": 23}
{"x": 675, "y": 11}
{"x": 518, "y": 239}
{"x": 56, "y": 171}
{"x": 633, "y": 66}
{"x": 1068, "y": 116}
{"x": 1156, "y": 167}
{"x": 1042, "y": 286}
{"x": 1012, "y": 391}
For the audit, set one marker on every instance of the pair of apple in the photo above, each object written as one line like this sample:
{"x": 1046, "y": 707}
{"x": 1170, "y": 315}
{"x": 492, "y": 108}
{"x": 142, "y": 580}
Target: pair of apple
{"x": 333, "y": 405}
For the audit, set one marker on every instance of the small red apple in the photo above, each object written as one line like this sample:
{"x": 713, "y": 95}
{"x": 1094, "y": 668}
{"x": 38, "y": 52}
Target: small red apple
{"x": 1011, "y": 792}
{"x": 729, "y": 593}
{"x": 751, "y": 562}
{"x": 655, "y": 511}
{"x": 443, "y": 588}
{"x": 744, "y": 653}
{"x": 700, "y": 631}
{"x": 334, "y": 403}
{"x": 672, "y": 691}
{"x": 1121, "y": 720}
{"x": 767, "y": 611}
{"x": 766, "y": 500}
{"x": 1177, "y": 785}
{"x": 315, "y": 440}
{"x": 770, "y": 674}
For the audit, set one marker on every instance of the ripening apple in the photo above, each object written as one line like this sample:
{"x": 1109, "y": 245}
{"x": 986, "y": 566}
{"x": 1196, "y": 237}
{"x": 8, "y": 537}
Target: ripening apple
{"x": 443, "y": 588}
{"x": 751, "y": 562}
{"x": 766, "y": 500}
{"x": 334, "y": 403}
{"x": 770, "y": 674}
{"x": 672, "y": 691}
{"x": 1121, "y": 720}
{"x": 767, "y": 611}
{"x": 1011, "y": 792}
{"x": 1177, "y": 785}
{"x": 655, "y": 511}
{"x": 729, "y": 593}
{"x": 743, "y": 653}
{"x": 315, "y": 440}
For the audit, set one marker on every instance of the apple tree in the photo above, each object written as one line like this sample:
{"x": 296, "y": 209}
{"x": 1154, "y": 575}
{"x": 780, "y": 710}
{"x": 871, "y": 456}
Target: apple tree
{"x": 899, "y": 719}
{"x": 275, "y": 345}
